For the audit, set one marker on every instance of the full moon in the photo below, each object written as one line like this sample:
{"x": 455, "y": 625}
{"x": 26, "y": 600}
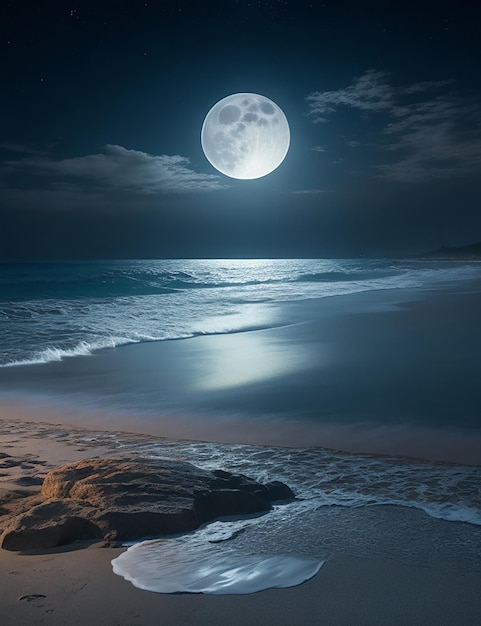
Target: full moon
{"x": 245, "y": 136}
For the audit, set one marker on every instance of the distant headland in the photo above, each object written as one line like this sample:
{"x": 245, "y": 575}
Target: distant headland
{"x": 471, "y": 252}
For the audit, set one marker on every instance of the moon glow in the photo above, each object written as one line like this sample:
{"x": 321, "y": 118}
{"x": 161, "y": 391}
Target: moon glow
{"x": 245, "y": 136}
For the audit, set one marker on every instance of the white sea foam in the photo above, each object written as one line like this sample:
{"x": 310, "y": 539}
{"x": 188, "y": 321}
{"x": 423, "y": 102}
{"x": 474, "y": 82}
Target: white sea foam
{"x": 55, "y": 312}
{"x": 452, "y": 512}
{"x": 340, "y": 508}
{"x": 195, "y": 563}
{"x": 83, "y": 348}
{"x": 323, "y": 478}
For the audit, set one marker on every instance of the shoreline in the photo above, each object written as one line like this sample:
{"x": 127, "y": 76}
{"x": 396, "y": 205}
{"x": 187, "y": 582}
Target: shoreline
{"x": 383, "y": 564}
{"x": 378, "y": 299}
{"x": 75, "y": 436}
{"x": 75, "y": 584}
{"x": 78, "y": 587}
{"x": 382, "y": 372}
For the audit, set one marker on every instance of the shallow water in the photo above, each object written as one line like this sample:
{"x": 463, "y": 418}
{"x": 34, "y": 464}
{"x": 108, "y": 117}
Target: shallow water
{"x": 52, "y": 311}
{"x": 422, "y": 514}
{"x": 202, "y": 563}
{"x": 361, "y": 373}
{"x": 410, "y": 512}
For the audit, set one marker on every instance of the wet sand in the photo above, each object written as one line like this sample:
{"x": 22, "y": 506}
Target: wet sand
{"x": 387, "y": 372}
{"x": 78, "y": 588}
{"x": 394, "y": 372}
{"x": 75, "y": 585}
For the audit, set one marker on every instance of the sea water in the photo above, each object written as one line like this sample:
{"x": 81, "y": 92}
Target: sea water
{"x": 52, "y": 311}
{"x": 410, "y": 510}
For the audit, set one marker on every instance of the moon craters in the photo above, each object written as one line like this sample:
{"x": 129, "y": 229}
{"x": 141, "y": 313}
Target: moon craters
{"x": 229, "y": 114}
{"x": 250, "y": 117}
{"x": 245, "y": 136}
{"x": 267, "y": 108}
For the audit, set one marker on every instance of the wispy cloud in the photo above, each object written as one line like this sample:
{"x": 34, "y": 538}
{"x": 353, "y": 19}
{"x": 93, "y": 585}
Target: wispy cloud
{"x": 427, "y": 85}
{"x": 423, "y": 131}
{"x": 369, "y": 92}
{"x": 435, "y": 139}
{"x": 117, "y": 168}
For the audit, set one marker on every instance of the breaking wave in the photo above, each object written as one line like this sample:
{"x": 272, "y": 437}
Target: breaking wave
{"x": 53, "y": 311}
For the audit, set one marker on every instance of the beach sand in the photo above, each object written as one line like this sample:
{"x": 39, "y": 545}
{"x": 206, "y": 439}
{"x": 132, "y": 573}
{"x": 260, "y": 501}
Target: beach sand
{"x": 79, "y": 588}
{"x": 75, "y": 585}
{"x": 401, "y": 356}
{"x": 385, "y": 372}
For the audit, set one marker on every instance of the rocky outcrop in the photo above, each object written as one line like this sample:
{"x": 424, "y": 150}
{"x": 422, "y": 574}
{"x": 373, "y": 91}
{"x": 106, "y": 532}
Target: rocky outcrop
{"x": 130, "y": 499}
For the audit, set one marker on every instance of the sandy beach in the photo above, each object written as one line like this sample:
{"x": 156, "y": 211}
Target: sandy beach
{"x": 78, "y": 587}
{"x": 240, "y": 313}
{"x": 410, "y": 362}
{"x": 75, "y": 584}
{"x": 388, "y": 372}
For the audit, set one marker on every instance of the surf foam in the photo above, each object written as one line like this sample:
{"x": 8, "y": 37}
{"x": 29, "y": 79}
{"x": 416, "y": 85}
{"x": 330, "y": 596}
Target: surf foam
{"x": 195, "y": 563}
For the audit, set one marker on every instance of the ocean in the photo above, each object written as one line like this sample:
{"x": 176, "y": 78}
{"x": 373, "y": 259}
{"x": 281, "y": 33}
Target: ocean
{"x": 356, "y": 382}
{"x": 52, "y": 311}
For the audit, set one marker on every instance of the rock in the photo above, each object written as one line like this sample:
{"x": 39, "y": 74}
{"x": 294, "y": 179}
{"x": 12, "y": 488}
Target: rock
{"x": 49, "y": 525}
{"x": 279, "y": 492}
{"x": 210, "y": 505}
{"x": 130, "y": 499}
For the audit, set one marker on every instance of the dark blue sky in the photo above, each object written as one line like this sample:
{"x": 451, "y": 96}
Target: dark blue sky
{"x": 102, "y": 105}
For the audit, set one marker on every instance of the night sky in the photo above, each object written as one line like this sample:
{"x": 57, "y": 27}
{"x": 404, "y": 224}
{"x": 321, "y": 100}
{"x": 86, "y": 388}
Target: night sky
{"x": 102, "y": 105}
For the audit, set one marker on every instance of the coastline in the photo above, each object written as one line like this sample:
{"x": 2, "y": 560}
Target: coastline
{"x": 389, "y": 355}
{"x": 80, "y": 588}
{"x": 75, "y": 584}
{"x": 385, "y": 372}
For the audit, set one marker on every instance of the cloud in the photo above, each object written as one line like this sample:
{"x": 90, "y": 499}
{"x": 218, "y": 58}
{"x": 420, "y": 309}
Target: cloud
{"x": 428, "y": 85}
{"x": 117, "y": 168}
{"x": 420, "y": 132}
{"x": 369, "y": 92}
{"x": 431, "y": 140}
